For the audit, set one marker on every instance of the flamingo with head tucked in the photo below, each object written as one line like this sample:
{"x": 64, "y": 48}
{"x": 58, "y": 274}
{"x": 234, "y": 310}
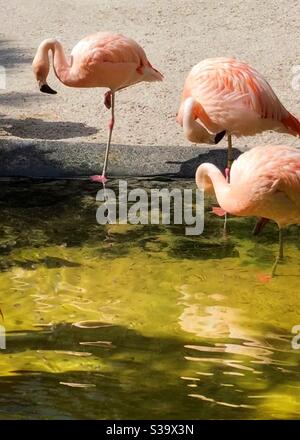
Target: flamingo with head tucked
{"x": 224, "y": 95}
{"x": 264, "y": 182}
{"x": 103, "y": 59}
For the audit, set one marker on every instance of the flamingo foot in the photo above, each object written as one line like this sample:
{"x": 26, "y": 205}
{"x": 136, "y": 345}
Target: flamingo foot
{"x": 99, "y": 179}
{"x": 264, "y": 278}
{"x": 107, "y": 99}
{"x": 218, "y": 211}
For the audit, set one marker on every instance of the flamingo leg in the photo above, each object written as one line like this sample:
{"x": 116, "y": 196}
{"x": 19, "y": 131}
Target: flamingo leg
{"x": 109, "y": 102}
{"x": 280, "y": 244}
{"x": 225, "y": 225}
{"x": 280, "y": 254}
{"x": 229, "y": 152}
{"x": 219, "y": 211}
{"x": 110, "y": 130}
{"x": 227, "y": 174}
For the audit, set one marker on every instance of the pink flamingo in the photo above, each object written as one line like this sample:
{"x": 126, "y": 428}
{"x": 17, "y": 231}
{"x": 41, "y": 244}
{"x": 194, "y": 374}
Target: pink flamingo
{"x": 264, "y": 182}
{"x": 224, "y": 95}
{"x": 103, "y": 59}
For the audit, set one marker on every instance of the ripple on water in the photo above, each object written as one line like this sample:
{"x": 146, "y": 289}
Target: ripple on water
{"x": 78, "y": 385}
{"x": 91, "y": 324}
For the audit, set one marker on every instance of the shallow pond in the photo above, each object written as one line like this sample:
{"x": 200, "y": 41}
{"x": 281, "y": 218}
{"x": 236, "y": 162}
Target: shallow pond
{"x": 141, "y": 321}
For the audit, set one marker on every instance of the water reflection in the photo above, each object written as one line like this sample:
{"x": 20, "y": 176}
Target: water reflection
{"x": 232, "y": 353}
{"x": 128, "y": 321}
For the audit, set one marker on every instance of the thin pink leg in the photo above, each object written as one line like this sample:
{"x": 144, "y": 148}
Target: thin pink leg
{"x": 217, "y": 210}
{"x": 103, "y": 178}
{"x": 227, "y": 175}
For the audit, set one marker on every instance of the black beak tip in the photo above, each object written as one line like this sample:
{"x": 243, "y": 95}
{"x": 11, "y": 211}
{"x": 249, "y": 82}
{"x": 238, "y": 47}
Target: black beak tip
{"x": 219, "y": 136}
{"x": 47, "y": 89}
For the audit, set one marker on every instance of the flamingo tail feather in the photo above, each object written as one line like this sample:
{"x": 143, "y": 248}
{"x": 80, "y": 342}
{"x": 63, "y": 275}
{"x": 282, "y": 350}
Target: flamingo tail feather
{"x": 292, "y": 124}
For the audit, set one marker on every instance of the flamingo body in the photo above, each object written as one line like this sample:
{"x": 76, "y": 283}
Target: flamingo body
{"x": 103, "y": 59}
{"x": 264, "y": 182}
{"x": 227, "y": 94}
{"x": 113, "y": 61}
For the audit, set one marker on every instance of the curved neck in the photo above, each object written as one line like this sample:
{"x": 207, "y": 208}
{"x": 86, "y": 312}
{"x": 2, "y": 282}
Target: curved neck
{"x": 194, "y": 130}
{"x": 60, "y": 63}
{"x": 208, "y": 176}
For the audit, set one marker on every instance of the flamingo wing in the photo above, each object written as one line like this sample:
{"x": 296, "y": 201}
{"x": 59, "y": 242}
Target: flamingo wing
{"x": 107, "y": 47}
{"x": 289, "y": 176}
{"x": 268, "y": 171}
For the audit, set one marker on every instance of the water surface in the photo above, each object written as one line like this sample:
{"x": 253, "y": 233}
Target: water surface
{"x": 141, "y": 321}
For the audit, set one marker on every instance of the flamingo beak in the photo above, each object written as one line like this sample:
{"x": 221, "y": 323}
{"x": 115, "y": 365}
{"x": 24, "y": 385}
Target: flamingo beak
{"x": 45, "y": 88}
{"x": 219, "y": 136}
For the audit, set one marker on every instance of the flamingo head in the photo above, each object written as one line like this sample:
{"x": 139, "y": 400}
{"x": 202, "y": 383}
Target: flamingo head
{"x": 203, "y": 180}
{"x": 193, "y": 128}
{"x": 40, "y": 67}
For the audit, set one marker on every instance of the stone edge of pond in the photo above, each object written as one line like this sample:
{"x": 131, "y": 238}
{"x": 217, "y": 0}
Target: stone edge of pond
{"x": 61, "y": 159}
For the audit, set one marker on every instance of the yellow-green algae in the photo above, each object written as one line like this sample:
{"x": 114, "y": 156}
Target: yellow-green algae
{"x": 141, "y": 321}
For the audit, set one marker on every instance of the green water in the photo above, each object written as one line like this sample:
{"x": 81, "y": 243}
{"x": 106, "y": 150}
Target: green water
{"x": 141, "y": 321}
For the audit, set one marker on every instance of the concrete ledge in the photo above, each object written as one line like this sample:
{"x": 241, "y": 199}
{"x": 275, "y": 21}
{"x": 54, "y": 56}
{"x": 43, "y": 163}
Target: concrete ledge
{"x": 59, "y": 159}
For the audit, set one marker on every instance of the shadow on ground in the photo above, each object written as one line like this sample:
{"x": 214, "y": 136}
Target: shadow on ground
{"x": 11, "y": 57}
{"x": 34, "y": 128}
{"x": 48, "y": 156}
{"x": 216, "y": 156}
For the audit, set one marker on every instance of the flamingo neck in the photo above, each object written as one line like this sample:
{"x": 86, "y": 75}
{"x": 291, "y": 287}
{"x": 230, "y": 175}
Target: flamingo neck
{"x": 199, "y": 129}
{"x": 209, "y": 177}
{"x": 193, "y": 131}
{"x": 61, "y": 66}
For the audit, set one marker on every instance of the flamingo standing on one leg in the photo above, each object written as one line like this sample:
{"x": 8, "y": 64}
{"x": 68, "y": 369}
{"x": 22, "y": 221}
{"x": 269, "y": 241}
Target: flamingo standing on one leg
{"x": 264, "y": 182}
{"x": 103, "y": 59}
{"x": 224, "y": 95}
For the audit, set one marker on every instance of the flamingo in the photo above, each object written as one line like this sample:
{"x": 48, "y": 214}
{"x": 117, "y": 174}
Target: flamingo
{"x": 104, "y": 59}
{"x": 224, "y": 95}
{"x": 265, "y": 182}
